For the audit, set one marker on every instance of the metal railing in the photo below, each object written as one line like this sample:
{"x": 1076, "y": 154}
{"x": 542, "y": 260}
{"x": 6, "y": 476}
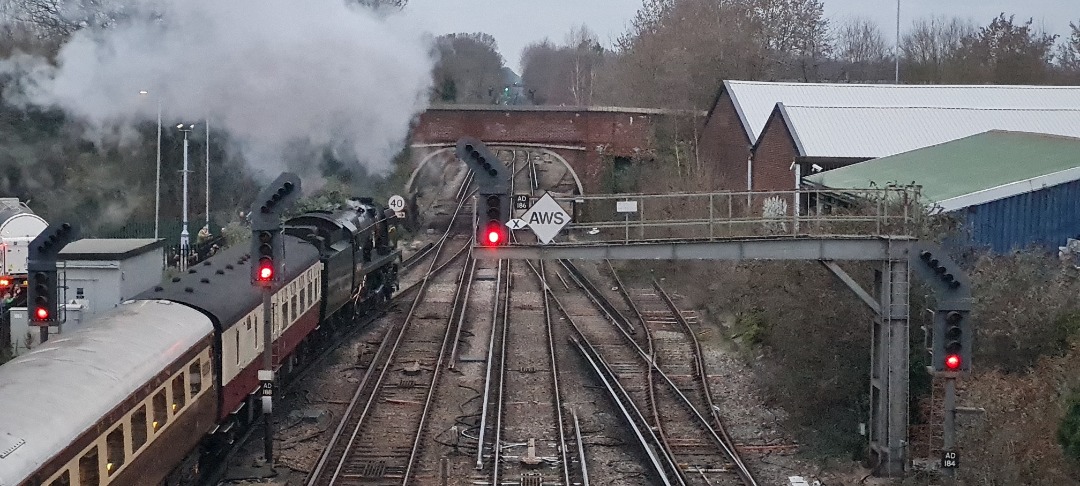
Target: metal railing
{"x": 626, "y": 218}
{"x": 177, "y": 257}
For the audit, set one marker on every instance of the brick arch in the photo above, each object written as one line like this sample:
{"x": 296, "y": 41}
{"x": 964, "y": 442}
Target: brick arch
{"x": 442, "y": 149}
{"x": 583, "y": 136}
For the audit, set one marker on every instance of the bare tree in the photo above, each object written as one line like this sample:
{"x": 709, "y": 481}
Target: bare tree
{"x": 927, "y": 50}
{"x": 860, "y": 47}
{"x": 585, "y": 54}
{"x": 61, "y": 18}
{"x": 794, "y": 34}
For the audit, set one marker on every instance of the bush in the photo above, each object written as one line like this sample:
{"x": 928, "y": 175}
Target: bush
{"x": 1068, "y": 434}
{"x": 751, "y": 326}
{"x": 1027, "y": 306}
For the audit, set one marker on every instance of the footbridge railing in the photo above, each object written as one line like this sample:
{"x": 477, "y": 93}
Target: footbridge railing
{"x": 628, "y": 218}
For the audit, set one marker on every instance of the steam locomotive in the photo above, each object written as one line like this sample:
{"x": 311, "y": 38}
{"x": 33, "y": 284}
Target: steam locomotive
{"x": 143, "y": 392}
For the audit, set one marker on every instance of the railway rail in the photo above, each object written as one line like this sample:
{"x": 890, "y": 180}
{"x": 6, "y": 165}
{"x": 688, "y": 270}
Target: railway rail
{"x": 649, "y": 364}
{"x": 704, "y": 454}
{"x": 368, "y": 446}
{"x": 529, "y": 436}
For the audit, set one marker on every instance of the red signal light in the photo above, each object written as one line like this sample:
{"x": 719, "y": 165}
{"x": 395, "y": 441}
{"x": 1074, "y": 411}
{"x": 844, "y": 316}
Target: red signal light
{"x": 41, "y": 313}
{"x": 493, "y": 235}
{"x": 266, "y": 272}
{"x": 952, "y": 361}
{"x": 5, "y": 282}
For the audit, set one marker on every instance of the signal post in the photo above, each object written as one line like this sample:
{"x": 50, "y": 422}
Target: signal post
{"x": 951, "y": 336}
{"x": 267, "y": 270}
{"x": 43, "y": 287}
{"x": 493, "y": 180}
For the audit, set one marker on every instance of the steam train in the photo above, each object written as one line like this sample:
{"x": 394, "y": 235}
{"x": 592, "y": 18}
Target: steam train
{"x": 143, "y": 392}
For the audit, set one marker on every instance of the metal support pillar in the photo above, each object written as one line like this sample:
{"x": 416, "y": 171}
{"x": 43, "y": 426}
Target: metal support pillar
{"x": 889, "y": 371}
{"x": 267, "y": 374}
{"x": 949, "y": 442}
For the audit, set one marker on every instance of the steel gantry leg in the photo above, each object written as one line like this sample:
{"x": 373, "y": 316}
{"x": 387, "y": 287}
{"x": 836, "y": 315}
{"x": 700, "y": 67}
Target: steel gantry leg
{"x": 888, "y": 363}
{"x": 890, "y": 371}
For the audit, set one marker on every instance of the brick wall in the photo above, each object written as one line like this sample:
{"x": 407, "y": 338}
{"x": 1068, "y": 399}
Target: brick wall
{"x": 601, "y": 133}
{"x": 773, "y": 155}
{"x": 725, "y": 146}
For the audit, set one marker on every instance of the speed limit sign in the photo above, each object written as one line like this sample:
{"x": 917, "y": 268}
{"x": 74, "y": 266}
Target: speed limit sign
{"x": 397, "y": 203}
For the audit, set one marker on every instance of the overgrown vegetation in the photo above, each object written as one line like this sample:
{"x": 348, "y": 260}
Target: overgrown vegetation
{"x": 1069, "y": 432}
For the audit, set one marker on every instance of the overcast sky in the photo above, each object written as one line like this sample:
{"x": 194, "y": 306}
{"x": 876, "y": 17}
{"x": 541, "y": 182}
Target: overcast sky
{"x": 516, "y": 23}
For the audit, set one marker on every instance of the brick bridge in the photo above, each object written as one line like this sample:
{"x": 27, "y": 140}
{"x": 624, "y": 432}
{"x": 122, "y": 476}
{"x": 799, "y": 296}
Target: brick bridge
{"x": 588, "y": 139}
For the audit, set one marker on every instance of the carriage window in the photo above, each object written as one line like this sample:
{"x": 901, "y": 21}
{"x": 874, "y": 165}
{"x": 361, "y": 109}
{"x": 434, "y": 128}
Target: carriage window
{"x": 238, "y": 342}
{"x": 249, "y": 323}
{"x": 309, "y": 291}
{"x": 194, "y": 375}
{"x": 284, "y": 313}
{"x": 63, "y": 480}
{"x": 114, "y": 450}
{"x": 88, "y": 469}
{"x": 294, "y": 306}
{"x": 138, "y": 428}
{"x": 161, "y": 410}
{"x": 178, "y": 392}
{"x": 303, "y": 297}
{"x": 255, "y": 345}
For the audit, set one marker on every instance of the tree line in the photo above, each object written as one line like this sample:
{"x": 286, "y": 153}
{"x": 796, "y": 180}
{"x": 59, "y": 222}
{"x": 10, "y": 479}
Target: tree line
{"x": 676, "y": 53}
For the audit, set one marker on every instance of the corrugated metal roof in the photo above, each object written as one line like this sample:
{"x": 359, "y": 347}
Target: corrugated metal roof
{"x": 970, "y": 171}
{"x": 871, "y": 132}
{"x": 754, "y": 100}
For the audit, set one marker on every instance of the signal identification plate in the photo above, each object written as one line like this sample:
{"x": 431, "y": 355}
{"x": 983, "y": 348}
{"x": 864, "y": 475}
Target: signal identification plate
{"x": 546, "y": 218}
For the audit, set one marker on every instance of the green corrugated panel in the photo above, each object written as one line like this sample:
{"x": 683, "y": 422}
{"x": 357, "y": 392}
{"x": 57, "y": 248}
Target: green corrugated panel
{"x": 963, "y": 166}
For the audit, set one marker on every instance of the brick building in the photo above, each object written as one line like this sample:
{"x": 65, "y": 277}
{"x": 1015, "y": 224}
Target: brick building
{"x": 731, "y": 136}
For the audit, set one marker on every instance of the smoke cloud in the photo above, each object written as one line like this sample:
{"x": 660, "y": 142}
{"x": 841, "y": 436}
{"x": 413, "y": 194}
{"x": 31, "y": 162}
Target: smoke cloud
{"x": 269, "y": 72}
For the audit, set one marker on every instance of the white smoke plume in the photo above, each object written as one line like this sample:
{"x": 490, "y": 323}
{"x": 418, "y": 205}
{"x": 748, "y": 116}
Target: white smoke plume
{"x": 268, "y": 72}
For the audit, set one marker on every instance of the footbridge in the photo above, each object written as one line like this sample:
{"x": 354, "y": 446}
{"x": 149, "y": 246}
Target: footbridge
{"x": 876, "y": 225}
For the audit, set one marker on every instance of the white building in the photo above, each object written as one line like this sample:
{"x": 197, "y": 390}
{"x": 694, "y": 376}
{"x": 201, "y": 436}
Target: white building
{"x": 102, "y": 273}
{"x": 97, "y": 275}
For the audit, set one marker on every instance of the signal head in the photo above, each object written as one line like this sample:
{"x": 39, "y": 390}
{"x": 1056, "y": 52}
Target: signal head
{"x": 494, "y": 235}
{"x": 266, "y": 269}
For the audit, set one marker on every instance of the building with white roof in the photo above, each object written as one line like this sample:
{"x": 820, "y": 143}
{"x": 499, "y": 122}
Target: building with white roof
{"x": 737, "y": 121}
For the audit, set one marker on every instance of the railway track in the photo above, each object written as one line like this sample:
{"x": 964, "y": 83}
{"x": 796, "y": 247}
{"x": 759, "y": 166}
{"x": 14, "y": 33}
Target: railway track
{"x": 379, "y": 438}
{"x": 382, "y": 430}
{"x": 412, "y": 420}
{"x": 690, "y": 446}
{"x": 529, "y": 445}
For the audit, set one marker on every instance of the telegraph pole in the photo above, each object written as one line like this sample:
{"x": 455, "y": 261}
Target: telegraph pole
{"x": 267, "y": 272}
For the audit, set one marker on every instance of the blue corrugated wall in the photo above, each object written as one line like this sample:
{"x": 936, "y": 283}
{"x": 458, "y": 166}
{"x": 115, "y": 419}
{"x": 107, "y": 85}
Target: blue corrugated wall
{"x": 1044, "y": 219}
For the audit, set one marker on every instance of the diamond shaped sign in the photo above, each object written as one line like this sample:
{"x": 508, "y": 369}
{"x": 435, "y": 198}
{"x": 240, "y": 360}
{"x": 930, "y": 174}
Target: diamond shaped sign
{"x": 546, "y": 218}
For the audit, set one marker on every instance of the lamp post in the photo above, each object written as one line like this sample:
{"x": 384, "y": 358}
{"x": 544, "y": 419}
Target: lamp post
{"x": 157, "y": 181}
{"x": 208, "y": 174}
{"x": 184, "y": 242}
{"x": 897, "y": 53}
